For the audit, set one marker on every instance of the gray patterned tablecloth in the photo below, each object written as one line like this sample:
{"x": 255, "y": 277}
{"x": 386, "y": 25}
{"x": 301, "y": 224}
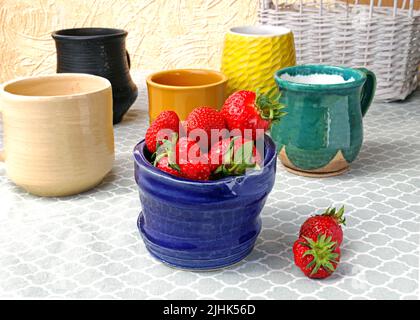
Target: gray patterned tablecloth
{"x": 88, "y": 246}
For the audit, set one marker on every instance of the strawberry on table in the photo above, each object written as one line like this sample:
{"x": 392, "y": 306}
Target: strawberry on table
{"x": 317, "y": 258}
{"x": 328, "y": 223}
{"x": 248, "y": 110}
{"x": 164, "y": 126}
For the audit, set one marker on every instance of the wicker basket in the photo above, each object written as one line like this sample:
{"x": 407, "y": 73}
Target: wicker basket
{"x": 384, "y": 39}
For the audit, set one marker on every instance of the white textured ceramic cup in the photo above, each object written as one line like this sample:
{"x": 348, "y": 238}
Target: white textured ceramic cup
{"x": 58, "y": 134}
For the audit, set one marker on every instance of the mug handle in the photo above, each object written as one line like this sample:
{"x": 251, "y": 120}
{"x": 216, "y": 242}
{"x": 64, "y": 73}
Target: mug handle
{"x": 128, "y": 59}
{"x": 368, "y": 90}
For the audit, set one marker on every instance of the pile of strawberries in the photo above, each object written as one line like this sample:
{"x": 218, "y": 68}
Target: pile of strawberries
{"x": 178, "y": 147}
{"x": 317, "y": 251}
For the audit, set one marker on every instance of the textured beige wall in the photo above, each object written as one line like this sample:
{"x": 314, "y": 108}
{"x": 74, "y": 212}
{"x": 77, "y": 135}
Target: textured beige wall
{"x": 162, "y": 33}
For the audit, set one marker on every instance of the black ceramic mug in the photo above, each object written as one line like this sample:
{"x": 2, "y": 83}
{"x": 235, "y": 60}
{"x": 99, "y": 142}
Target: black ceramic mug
{"x": 102, "y": 52}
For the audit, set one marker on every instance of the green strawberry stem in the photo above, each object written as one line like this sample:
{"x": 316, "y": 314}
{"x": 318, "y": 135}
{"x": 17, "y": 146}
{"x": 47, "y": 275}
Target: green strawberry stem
{"x": 236, "y": 162}
{"x": 323, "y": 253}
{"x": 167, "y": 149}
{"x": 337, "y": 215}
{"x": 175, "y": 166}
{"x": 269, "y": 106}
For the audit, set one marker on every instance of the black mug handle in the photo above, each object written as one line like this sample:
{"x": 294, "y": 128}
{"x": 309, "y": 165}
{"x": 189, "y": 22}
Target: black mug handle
{"x": 128, "y": 59}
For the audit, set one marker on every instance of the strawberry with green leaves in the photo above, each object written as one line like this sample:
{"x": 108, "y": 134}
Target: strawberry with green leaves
{"x": 328, "y": 223}
{"x": 233, "y": 156}
{"x": 164, "y": 165}
{"x": 164, "y": 157}
{"x": 249, "y": 110}
{"x": 164, "y": 126}
{"x": 318, "y": 258}
{"x": 183, "y": 158}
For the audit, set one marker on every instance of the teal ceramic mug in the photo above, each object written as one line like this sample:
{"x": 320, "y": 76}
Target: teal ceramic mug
{"x": 322, "y": 132}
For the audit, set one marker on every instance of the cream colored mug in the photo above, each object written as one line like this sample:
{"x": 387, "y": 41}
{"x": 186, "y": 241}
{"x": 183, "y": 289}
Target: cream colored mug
{"x": 58, "y": 135}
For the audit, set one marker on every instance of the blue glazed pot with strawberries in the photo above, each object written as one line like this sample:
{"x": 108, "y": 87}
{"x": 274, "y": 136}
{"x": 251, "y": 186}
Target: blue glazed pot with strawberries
{"x": 201, "y": 225}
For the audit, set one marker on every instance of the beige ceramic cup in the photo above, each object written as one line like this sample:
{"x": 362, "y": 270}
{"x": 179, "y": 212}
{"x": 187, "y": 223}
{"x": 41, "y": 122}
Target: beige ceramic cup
{"x": 58, "y": 135}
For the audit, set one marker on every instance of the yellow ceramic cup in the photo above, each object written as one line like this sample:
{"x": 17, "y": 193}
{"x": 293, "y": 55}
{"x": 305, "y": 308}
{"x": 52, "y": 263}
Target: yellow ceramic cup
{"x": 252, "y": 55}
{"x": 183, "y": 90}
{"x": 58, "y": 135}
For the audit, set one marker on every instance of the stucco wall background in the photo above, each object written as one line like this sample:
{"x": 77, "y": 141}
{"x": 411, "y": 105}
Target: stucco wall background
{"x": 162, "y": 33}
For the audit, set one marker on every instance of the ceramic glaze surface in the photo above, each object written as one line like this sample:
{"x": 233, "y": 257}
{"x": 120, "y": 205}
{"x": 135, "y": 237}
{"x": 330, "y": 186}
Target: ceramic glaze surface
{"x": 252, "y": 55}
{"x": 101, "y": 52}
{"x": 323, "y": 129}
{"x": 58, "y": 135}
{"x": 201, "y": 225}
{"x": 182, "y": 90}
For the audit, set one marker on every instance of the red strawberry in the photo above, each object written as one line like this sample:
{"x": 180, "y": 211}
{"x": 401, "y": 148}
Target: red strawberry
{"x": 327, "y": 223}
{"x": 316, "y": 258}
{"x": 187, "y": 149}
{"x": 205, "y": 118}
{"x": 232, "y": 156}
{"x": 185, "y": 157}
{"x": 217, "y": 152}
{"x": 163, "y": 164}
{"x": 195, "y": 171}
{"x": 164, "y": 126}
{"x": 248, "y": 110}
{"x": 193, "y": 164}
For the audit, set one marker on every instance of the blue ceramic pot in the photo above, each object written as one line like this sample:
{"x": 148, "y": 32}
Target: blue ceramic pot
{"x": 201, "y": 225}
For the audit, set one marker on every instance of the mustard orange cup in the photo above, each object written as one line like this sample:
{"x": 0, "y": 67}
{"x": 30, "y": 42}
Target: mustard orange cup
{"x": 182, "y": 90}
